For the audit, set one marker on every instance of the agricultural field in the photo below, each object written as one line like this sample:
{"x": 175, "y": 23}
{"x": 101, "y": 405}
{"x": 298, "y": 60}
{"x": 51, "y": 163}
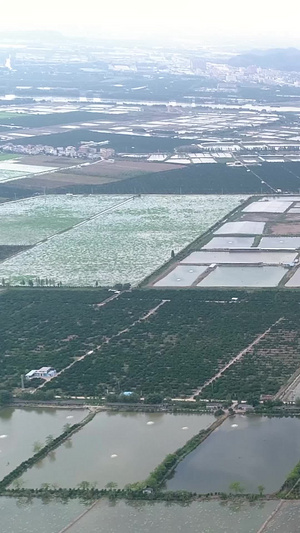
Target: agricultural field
{"x": 181, "y": 346}
{"x": 26, "y": 222}
{"x": 212, "y": 179}
{"x": 133, "y": 144}
{"x": 265, "y": 368}
{"x": 239, "y": 252}
{"x": 8, "y": 251}
{"x": 122, "y": 245}
{"x": 55, "y": 326}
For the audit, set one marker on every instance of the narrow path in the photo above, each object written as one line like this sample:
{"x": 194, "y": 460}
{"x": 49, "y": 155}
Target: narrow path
{"x": 71, "y": 524}
{"x": 266, "y": 523}
{"x": 236, "y": 358}
{"x": 107, "y": 341}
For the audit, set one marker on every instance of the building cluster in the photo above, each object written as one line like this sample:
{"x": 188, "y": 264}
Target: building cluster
{"x": 85, "y": 151}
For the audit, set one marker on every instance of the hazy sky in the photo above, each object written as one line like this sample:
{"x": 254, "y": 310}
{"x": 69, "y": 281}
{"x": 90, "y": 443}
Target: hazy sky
{"x": 262, "y": 21}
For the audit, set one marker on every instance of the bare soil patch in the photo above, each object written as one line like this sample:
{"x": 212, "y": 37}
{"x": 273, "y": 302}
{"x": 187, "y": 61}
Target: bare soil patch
{"x": 259, "y": 217}
{"x": 284, "y": 229}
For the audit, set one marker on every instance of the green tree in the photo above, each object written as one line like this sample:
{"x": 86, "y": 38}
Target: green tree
{"x": 154, "y": 398}
{"x": 236, "y": 487}
{"x": 5, "y": 397}
{"x": 111, "y": 485}
{"x": 261, "y": 489}
{"x": 49, "y": 439}
{"x": 37, "y": 446}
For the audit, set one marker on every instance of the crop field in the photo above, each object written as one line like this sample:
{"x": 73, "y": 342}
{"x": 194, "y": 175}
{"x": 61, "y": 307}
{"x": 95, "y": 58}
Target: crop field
{"x": 53, "y": 327}
{"x": 123, "y": 245}
{"x": 180, "y": 347}
{"x": 26, "y": 222}
{"x": 121, "y": 143}
{"x": 211, "y": 179}
{"x": 8, "y": 251}
{"x": 173, "y": 351}
{"x": 265, "y": 368}
{"x": 244, "y": 276}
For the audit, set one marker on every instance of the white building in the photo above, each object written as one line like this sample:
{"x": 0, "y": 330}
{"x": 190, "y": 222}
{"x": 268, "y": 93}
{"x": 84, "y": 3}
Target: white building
{"x": 46, "y": 372}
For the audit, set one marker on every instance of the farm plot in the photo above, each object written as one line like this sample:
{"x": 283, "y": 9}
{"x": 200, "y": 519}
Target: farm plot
{"x": 185, "y": 343}
{"x": 264, "y": 369}
{"x": 244, "y": 276}
{"x": 125, "y": 245}
{"x": 26, "y": 222}
{"x": 52, "y": 327}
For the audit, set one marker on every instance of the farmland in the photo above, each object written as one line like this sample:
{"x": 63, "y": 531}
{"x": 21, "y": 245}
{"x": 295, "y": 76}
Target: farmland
{"x": 29, "y": 221}
{"x": 265, "y": 368}
{"x": 122, "y": 245}
{"x": 173, "y": 352}
{"x": 56, "y": 326}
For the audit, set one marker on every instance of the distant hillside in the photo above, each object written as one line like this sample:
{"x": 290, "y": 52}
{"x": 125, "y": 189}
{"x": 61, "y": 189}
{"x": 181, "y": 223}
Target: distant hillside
{"x": 278, "y": 58}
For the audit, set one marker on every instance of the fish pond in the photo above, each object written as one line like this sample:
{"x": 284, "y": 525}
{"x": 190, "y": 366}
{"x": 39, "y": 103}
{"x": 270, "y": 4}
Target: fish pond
{"x": 196, "y": 517}
{"x": 119, "y": 447}
{"x": 22, "y": 431}
{"x": 251, "y": 450}
{"x": 24, "y": 515}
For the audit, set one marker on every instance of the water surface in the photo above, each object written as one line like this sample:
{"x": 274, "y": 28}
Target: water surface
{"x": 252, "y": 450}
{"x": 21, "y": 428}
{"x": 119, "y": 447}
{"x": 197, "y": 517}
{"x": 23, "y": 515}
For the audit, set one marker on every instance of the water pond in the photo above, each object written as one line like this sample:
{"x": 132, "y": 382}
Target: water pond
{"x": 23, "y": 515}
{"x": 197, "y": 517}
{"x": 118, "y": 447}
{"x": 251, "y": 450}
{"x": 21, "y": 428}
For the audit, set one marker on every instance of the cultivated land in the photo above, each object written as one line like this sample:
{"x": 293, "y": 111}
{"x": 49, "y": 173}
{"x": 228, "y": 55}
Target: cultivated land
{"x": 169, "y": 342}
{"x": 123, "y": 244}
{"x": 254, "y": 246}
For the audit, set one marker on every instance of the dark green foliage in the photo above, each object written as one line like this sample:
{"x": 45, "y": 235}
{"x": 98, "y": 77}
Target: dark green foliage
{"x": 266, "y": 368}
{"x": 51, "y": 327}
{"x": 207, "y": 179}
{"x": 171, "y": 354}
{"x": 5, "y": 397}
{"x": 181, "y": 346}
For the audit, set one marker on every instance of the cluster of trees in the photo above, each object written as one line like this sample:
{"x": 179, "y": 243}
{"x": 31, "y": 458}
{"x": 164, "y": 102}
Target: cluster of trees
{"x": 291, "y": 486}
{"x": 41, "y": 282}
{"x": 263, "y": 370}
{"x": 5, "y": 397}
{"x": 210, "y": 179}
{"x": 52, "y": 327}
{"x": 181, "y": 346}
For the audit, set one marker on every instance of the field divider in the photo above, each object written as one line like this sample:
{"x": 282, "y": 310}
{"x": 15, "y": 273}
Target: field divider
{"x": 266, "y": 523}
{"x": 107, "y": 341}
{"x": 239, "y": 356}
